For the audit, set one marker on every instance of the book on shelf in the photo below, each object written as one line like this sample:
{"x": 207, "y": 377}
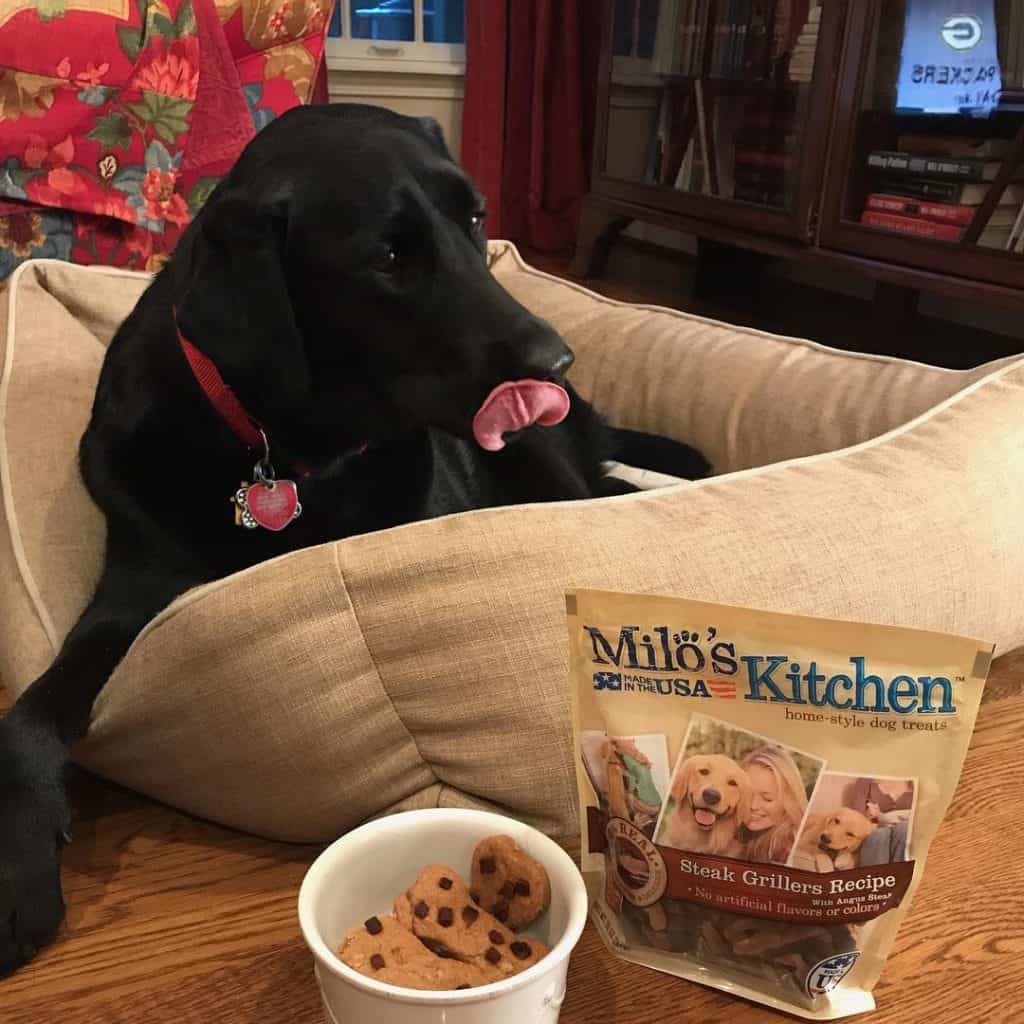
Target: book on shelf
{"x": 995, "y": 237}
{"x": 1016, "y": 239}
{"x": 801, "y": 60}
{"x": 666, "y": 50}
{"x": 945, "y": 145}
{"x": 945, "y": 213}
{"x": 734, "y": 36}
{"x": 757, "y": 53}
{"x": 781, "y": 24}
{"x": 685, "y": 41}
{"x": 693, "y": 22}
{"x": 916, "y": 226}
{"x": 941, "y": 167}
{"x": 719, "y": 37}
{"x": 684, "y": 178}
{"x": 992, "y": 237}
{"x": 966, "y": 194}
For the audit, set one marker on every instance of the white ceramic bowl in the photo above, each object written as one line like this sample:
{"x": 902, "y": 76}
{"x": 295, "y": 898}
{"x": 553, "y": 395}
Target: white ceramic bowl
{"x": 361, "y": 874}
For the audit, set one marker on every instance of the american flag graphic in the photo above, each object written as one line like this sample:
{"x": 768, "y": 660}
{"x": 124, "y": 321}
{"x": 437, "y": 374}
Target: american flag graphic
{"x": 724, "y": 688}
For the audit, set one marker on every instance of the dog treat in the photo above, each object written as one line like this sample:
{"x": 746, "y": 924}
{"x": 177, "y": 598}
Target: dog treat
{"x": 387, "y": 951}
{"x": 757, "y": 790}
{"x": 509, "y": 883}
{"x": 453, "y": 926}
{"x": 440, "y": 938}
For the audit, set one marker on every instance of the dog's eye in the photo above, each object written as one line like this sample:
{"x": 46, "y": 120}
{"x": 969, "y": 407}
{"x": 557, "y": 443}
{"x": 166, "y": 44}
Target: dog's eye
{"x": 851, "y": 835}
{"x": 733, "y": 782}
{"x": 476, "y": 221}
{"x": 386, "y": 261}
{"x": 705, "y": 771}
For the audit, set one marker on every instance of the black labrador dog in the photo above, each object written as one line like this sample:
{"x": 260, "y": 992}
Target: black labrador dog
{"x": 328, "y": 331}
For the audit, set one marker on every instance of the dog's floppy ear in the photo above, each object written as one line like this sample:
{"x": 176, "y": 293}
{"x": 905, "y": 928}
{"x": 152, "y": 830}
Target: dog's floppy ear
{"x": 681, "y": 782}
{"x": 235, "y": 307}
{"x": 746, "y": 798}
{"x": 432, "y": 127}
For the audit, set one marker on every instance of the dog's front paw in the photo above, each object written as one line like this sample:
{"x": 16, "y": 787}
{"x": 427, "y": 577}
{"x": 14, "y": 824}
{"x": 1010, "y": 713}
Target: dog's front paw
{"x": 34, "y": 827}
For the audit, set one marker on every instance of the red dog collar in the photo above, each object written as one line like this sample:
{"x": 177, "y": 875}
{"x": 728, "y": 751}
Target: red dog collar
{"x": 245, "y": 427}
{"x": 220, "y": 395}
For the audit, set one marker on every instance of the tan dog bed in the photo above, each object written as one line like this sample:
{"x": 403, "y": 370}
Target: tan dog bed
{"x": 426, "y": 664}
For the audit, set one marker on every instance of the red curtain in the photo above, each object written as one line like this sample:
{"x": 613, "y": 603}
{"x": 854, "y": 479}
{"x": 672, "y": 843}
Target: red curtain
{"x": 528, "y": 115}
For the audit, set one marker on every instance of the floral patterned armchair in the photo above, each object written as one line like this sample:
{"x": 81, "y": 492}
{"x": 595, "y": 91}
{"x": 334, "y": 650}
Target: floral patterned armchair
{"x": 118, "y": 117}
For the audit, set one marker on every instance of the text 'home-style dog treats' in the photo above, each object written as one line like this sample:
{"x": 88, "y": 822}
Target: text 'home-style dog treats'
{"x": 758, "y": 791}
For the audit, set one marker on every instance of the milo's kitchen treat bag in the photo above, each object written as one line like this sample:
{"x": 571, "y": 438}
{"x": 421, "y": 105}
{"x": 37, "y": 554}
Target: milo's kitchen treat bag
{"x": 758, "y": 791}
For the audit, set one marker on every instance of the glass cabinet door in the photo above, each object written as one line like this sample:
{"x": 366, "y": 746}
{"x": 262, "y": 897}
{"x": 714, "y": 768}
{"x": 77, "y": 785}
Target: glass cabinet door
{"x": 719, "y": 98}
{"x": 930, "y": 148}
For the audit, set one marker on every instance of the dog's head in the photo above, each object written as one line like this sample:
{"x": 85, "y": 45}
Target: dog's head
{"x": 338, "y": 279}
{"x": 713, "y": 790}
{"x": 844, "y": 831}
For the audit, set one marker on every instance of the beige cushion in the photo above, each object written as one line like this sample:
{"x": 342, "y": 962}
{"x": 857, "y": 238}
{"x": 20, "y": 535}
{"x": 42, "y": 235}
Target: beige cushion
{"x": 426, "y": 664}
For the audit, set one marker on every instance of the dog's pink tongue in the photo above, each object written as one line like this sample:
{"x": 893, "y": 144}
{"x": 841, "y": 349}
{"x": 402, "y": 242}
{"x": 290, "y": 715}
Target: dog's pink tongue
{"x": 704, "y": 816}
{"x": 517, "y": 404}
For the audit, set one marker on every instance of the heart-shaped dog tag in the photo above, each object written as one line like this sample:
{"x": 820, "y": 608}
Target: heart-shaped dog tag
{"x": 272, "y": 505}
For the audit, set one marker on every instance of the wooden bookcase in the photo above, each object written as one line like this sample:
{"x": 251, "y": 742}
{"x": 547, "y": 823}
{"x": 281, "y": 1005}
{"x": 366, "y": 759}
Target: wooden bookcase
{"x": 656, "y": 121}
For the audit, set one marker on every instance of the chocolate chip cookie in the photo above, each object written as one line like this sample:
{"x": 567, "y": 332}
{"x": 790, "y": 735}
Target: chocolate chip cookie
{"x": 383, "y": 949}
{"x": 439, "y": 911}
{"x": 509, "y": 883}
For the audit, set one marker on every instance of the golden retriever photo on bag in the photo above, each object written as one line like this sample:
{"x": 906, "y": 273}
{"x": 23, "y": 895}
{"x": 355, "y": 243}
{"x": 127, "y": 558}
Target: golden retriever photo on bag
{"x": 856, "y": 821}
{"x": 736, "y": 794}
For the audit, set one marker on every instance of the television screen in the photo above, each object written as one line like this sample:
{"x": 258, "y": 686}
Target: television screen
{"x": 949, "y": 62}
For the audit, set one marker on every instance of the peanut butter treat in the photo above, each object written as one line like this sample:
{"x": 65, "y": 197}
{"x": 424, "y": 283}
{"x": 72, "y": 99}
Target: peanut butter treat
{"x": 383, "y": 949}
{"x": 439, "y": 911}
{"x": 509, "y": 883}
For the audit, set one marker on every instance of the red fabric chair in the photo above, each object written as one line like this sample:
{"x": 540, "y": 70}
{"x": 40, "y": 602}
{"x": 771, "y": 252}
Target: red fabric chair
{"x": 118, "y": 117}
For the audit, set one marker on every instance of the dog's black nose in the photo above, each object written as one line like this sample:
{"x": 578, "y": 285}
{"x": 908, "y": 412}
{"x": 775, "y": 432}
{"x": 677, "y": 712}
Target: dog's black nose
{"x": 540, "y": 353}
{"x": 711, "y": 796}
{"x": 823, "y": 838}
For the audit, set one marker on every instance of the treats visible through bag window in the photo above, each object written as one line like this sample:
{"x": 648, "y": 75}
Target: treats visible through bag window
{"x": 758, "y": 790}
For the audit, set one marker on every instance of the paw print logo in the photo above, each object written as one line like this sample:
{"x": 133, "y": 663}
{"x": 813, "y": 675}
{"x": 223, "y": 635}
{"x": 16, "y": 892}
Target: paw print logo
{"x": 607, "y": 680}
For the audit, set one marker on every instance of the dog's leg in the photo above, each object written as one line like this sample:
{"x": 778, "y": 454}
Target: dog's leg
{"x": 658, "y": 454}
{"x": 35, "y": 818}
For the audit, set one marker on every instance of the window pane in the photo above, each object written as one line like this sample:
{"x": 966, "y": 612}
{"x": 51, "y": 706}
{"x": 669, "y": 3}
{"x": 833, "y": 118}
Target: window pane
{"x": 647, "y": 26}
{"x": 443, "y": 21}
{"x": 334, "y": 29}
{"x": 385, "y": 20}
{"x": 622, "y": 32}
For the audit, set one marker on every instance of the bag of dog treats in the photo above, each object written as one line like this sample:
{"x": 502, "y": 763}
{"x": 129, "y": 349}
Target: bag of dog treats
{"x": 758, "y": 791}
